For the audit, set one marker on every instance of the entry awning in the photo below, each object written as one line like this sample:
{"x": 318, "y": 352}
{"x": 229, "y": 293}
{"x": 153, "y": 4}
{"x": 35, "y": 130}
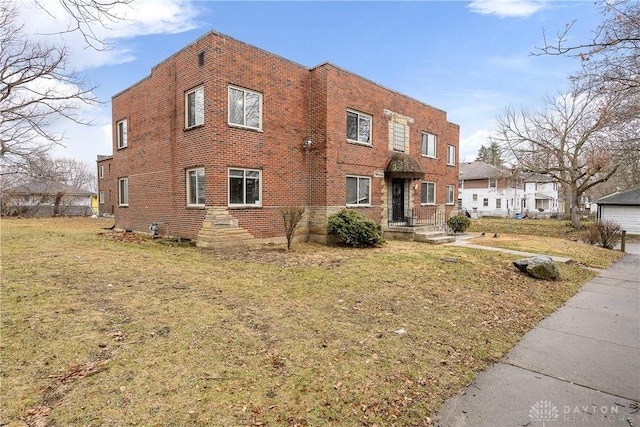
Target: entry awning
{"x": 540, "y": 196}
{"x": 403, "y": 166}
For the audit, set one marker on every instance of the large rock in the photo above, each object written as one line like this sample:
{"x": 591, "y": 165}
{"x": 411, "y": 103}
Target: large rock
{"x": 539, "y": 266}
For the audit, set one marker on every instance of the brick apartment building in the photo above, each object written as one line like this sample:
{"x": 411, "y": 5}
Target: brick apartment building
{"x": 222, "y": 135}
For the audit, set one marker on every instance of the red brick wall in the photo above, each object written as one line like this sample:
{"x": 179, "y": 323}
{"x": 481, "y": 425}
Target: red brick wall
{"x": 298, "y": 104}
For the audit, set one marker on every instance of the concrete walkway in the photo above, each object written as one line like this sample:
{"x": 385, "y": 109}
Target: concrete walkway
{"x": 578, "y": 367}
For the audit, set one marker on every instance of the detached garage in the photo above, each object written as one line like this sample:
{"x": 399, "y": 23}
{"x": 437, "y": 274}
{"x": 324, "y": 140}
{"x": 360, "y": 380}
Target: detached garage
{"x": 623, "y": 208}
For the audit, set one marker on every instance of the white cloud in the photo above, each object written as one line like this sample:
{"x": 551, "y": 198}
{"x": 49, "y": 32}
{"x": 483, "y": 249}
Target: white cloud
{"x": 507, "y": 8}
{"x": 470, "y": 145}
{"x": 142, "y": 17}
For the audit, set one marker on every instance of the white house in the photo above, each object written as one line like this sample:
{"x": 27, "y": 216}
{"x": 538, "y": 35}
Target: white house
{"x": 485, "y": 190}
{"x": 540, "y": 196}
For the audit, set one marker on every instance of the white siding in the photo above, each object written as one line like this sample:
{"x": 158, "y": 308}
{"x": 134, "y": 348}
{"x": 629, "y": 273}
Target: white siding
{"x": 627, "y": 216}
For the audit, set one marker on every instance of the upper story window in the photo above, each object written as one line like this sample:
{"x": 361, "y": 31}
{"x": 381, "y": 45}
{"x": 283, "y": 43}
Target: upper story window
{"x": 428, "y": 193}
{"x": 121, "y": 133}
{"x": 123, "y": 191}
{"x": 358, "y": 127}
{"x": 493, "y": 183}
{"x": 400, "y": 136}
{"x": 101, "y": 171}
{"x": 451, "y": 155}
{"x": 194, "y": 107}
{"x": 245, "y": 108}
{"x": 195, "y": 187}
{"x": 358, "y": 190}
{"x": 428, "y": 145}
{"x": 245, "y": 187}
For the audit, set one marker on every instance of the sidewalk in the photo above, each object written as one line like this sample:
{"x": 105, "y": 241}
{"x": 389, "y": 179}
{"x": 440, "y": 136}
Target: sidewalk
{"x": 578, "y": 367}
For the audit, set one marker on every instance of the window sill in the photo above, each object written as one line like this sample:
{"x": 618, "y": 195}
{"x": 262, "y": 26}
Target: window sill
{"x": 451, "y": 164}
{"x": 354, "y": 142}
{"x": 429, "y": 157}
{"x": 359, "y": 206}
{"x": 123, "y": 206}
{"x": 233, "y": 125}
{"x": 237, "y": 207}
{"x": 193, "y": 127}
{"x": 427, "y": 204}
{"x": 195, "y": 207}
{"x": 123, "y": 147}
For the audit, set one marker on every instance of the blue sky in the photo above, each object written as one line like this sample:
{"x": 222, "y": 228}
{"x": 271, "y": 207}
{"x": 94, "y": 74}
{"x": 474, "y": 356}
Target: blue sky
{"x": 471, "y": 59}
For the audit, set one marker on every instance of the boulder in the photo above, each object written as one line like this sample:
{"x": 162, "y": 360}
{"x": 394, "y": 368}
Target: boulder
{"x": 539, "y": 266}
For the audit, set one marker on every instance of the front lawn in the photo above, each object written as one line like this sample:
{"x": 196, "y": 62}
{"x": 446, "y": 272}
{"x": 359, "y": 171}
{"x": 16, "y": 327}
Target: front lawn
{"x": 99, "y": 329}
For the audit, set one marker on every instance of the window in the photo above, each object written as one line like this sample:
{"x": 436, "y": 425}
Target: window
{"x": 475, "y": 197}
{"x": 451, "y": 155}
{"x": 428, "y": 145}
{"x": 245, "y": 187}
{"x": 399, "y": 136}
{"x": 460, "y": 183}
{"x": 101, "y": 197}
{"x": 485, "y": 202}
{"x": 498, "y": 203}
{"x": 123, "y": 191}
{"x": 194, "y": 107}
{"x": 121, "y": 133}
{"x": 493, "y": 182}
{"x": 451, "y": 191}
{"x": 358, "y": 190}
{"x": 358, "y": 127}
{"x": 428, "y": 193}
{"x": 101, "y": 171}
{"x": 195, "y": 187}
{"x": 245, "y": 108}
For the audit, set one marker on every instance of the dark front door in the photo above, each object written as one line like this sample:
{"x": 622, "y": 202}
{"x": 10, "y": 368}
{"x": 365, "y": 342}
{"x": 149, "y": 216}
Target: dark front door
{"x": 397, "y": 200}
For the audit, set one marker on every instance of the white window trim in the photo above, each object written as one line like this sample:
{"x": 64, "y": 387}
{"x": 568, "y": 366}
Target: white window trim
{"x": 359, "y": 177}
{"x": 189, "y": 188}
{"x": 122, "y": 141}
{"x": 259, "y": 128}
{"x": 359, "y": 114}
{"x": 120, "y": 193}
{"x": 453, "y": 194}
{"x": 101, "y": 171}
{"x": 186, "y": 107}
{"x": 101, "y": 197}
{"x": 451, "y": 149}
{"x": 435, "y": 145}
{"x": 434, "y": 194}
{"x": 245, "y": 205}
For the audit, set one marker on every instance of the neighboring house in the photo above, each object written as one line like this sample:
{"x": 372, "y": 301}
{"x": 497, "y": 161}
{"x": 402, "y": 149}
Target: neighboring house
{"x": 222, "y": 135}
{"x": 623, "y": 208}
{"x": 540, "y": 198}
{"x": 40, "y": 199}
{"x": 484, "y": 190}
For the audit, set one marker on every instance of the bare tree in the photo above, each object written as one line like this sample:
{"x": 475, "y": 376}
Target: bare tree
{"x": 610, "y": 62}
{"x": 37, "y": 84}
{"x": 291, "y": 215}
{"x": 87, "y": 14}
{"x": 42, "y": 181}
{"x": 577, "y": 139}
{"x": 611, "y": 58}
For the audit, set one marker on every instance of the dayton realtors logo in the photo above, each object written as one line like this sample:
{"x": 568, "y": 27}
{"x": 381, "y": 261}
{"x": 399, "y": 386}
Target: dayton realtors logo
{"x": 543, "y": 411}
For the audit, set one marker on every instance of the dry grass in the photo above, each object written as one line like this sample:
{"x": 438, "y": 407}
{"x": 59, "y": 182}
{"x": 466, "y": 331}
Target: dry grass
{"x": 98, "y": 331}
{"x": 551, "y": 237}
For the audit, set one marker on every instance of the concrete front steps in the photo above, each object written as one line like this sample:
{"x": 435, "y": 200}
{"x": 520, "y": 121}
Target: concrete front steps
{"x": 427, "y": 234}
{"x": 220, "y": 230}
{"x": 434, "y": 237}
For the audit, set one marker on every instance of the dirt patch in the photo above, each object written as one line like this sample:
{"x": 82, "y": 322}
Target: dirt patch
{"x": 122, "y": 236}
{"x": 309, "y": 256}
